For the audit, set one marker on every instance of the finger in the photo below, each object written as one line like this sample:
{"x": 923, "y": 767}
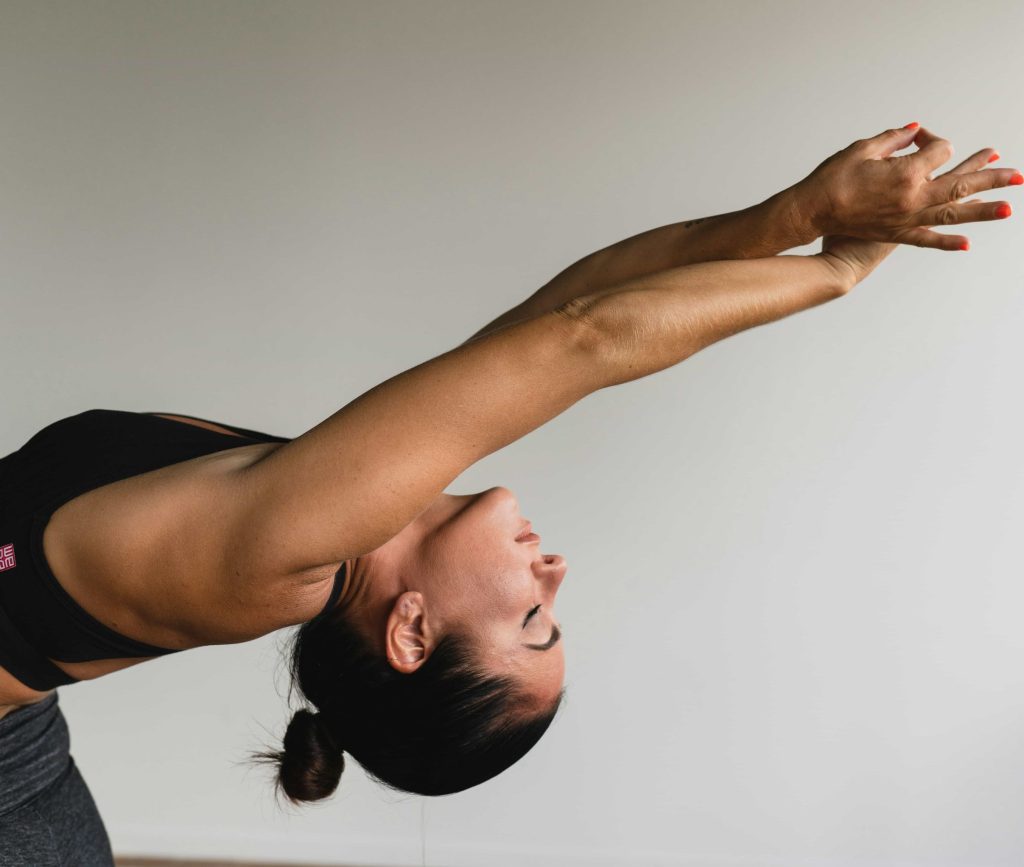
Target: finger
{"x": 973, "y": 163}
{"x": 950, "y": 213}
{"x": 949, "y": 187}
{"x": 934, "y": 240}
{"x": 883, "y": 144}
{"x": 934, "y": 151}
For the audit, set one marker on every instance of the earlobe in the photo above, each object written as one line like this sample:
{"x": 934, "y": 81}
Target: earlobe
{"x": 406, "y": 640}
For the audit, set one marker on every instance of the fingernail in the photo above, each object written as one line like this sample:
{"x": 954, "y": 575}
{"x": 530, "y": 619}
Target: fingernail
{"x": 1004, "y": 210}
{"x": 966, "y": 245}
{"x": 1017, "y": 178}
{"x": 993, "y": 158}
{"x": 913, "y": 125}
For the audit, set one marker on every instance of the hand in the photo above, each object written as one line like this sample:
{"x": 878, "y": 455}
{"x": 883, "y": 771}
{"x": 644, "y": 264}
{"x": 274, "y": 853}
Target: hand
{"x": 864, "y": 192}
{"x": 853, "y": 259}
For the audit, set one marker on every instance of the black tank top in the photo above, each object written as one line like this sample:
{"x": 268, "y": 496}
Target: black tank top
{"x": 38, "y": 617}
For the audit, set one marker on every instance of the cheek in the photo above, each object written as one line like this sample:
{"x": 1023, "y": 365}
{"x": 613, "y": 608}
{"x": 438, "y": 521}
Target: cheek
{"x": 485, "y": 578}
{"x": 505, "y": 592}
{"x": 490, "y": 568}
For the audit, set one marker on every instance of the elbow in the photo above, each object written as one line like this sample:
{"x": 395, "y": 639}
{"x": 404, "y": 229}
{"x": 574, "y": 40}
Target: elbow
{"x": 577, "y": 309}
{"x": 579, "y": 318}
{"x": 585, "y": 333}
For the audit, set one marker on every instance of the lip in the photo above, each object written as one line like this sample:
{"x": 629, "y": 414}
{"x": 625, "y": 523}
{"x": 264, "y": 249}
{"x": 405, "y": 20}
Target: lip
{"x": 527, "y": 534}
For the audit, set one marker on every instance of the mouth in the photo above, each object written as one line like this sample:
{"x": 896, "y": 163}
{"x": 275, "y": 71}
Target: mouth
{"x": 527, "y": 534}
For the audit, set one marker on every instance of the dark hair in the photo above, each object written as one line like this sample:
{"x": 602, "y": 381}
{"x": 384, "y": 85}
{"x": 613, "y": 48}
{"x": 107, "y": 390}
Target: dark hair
{"x": 441, "y": 729}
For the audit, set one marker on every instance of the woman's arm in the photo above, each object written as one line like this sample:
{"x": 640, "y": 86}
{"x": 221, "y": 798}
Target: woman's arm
{"x": 656, "y": 321}
{"x": 356, "y": 479}
{"x": 862, "y": 191}
{"x": 765, "y": 229}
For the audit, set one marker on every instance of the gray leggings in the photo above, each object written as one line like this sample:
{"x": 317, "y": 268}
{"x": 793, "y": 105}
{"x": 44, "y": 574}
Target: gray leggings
{"x": 47, "y": 815}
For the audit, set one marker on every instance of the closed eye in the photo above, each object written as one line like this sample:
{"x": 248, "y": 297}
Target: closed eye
{"x": 530, "y": 614}
{"x": 556, "y": 633}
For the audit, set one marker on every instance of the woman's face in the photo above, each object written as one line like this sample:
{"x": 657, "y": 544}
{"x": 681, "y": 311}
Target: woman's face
{"x": 462, "y": 568}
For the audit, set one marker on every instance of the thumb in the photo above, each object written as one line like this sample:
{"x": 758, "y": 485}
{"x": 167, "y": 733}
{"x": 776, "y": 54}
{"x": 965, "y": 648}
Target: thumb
{"x": 885, "y": 143}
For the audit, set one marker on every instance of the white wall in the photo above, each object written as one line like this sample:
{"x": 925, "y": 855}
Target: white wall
{"x": 800, "y": 644}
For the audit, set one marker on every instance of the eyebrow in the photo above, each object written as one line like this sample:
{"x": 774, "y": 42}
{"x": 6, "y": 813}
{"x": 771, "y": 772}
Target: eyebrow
{"x": 556, "y": 633}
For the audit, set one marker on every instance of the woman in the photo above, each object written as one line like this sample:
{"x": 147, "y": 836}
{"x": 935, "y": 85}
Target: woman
{"x": 428, "y": 642}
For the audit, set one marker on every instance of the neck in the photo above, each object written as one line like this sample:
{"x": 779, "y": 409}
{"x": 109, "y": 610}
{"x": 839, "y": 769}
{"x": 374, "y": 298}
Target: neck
{"x": 363, "y": 602}
{"x": 353, "y": 589}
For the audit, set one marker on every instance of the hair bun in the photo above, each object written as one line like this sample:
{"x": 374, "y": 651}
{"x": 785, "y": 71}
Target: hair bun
{"x": 312, "y": 761}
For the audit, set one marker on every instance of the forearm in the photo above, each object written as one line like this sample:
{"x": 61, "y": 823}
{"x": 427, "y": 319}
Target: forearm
{"x": 656, "y": 321}
{"x": 762, "y": 230}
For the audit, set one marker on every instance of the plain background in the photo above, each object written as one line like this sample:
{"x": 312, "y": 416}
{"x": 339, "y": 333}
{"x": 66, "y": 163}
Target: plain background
{"x": 793, "y": 607}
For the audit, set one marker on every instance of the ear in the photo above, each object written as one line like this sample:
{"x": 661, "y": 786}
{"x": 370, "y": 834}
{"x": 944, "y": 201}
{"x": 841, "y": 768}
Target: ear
{"x": 407, "y": 638}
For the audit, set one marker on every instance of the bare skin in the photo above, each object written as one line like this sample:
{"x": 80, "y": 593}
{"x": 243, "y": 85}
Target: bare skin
{"x": 108, "y": 587}
{"x": 460, "y": 565}
{"x": 429, "y": 560}
{"x": 415, "y": 587}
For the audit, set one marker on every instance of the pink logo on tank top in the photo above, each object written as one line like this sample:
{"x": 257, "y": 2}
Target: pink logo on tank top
{"x": 7, "y": 557}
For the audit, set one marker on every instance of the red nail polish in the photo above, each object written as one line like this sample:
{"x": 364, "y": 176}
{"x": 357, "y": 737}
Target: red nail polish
{"x": 1004, "y": 210}
{"x": 966, "y": 245}
{"x": 913, "y": 125}
{"x": 1017, "y": 178}
{"x": 993, "y": 158}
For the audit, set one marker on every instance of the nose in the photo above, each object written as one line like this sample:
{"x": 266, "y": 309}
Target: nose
{"x": 551, "y": 569}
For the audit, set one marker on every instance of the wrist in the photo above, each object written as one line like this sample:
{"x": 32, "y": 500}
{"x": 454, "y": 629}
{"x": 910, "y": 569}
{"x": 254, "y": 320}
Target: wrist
{"x": 768, "y": 228}
{"x": 844, "y": 276}
{"x": 797, "y": 211}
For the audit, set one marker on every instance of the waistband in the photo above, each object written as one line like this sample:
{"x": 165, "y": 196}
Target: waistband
{"x": 34, "y": 751}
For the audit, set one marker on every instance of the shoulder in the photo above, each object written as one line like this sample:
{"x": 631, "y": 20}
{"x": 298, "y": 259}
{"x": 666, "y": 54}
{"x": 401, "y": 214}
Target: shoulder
{"x": 150, "y": 558}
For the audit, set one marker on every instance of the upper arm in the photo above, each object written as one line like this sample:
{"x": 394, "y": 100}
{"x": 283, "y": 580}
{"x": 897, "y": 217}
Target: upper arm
{"x": 357, "y": 478}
